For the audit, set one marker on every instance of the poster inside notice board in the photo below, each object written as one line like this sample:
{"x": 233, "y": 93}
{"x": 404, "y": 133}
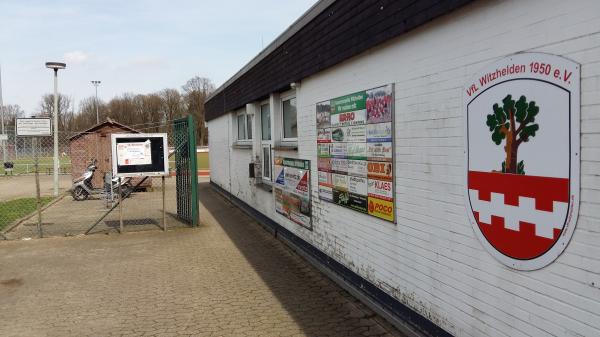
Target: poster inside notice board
{"x": 355, "y": 151}
{"x": 291, "y": 189}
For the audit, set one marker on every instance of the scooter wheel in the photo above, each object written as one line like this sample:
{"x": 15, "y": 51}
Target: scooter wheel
{"x": 79, "y": 193}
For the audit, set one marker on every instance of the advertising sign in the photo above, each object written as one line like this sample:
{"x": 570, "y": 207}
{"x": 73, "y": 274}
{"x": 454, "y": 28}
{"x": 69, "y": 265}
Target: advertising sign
{"x": 349, "y": 118}
{"x": 324, "y": 164}
{"x": 325, "y": 178}
{"x": 348, "y": 134}
{"x": 279, "y": 174}
{"x": 380, "y": 170}
{"x": 381, "y": 208}
{"x": 339, "y": 150}
{"x": 291, "y": 191}
{"x": 340, "y": 181}
{"x": 323, "y": 150}
{"x": 379, "y": 105}
{"x": 360, "y": 129}
{"x": 326, "y": 193}
{"x": 357, "y": 168}
{"x": 324, "y": 136}
{"x": 379, "y": 151}
{"x": 357, "y": 185}
{"x": 381, "y": 189}
{"x": 377, "y": 133}
{"x": 522, "y": 131}
{"x": 33, "y": 127}
{"x": 139, "y": 154}
{"x": 356, "y": 151}
{"x": 339, "y": 165}
{"x": 323, "y": 115}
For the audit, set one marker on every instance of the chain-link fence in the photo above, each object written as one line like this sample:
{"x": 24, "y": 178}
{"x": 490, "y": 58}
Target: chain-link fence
{"x": 87, "y": 198}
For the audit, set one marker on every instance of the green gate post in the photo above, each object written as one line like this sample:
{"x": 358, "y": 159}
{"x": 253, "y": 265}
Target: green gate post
{"x": 193, "y": 169}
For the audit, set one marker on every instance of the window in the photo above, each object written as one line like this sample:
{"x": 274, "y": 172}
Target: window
{"x": 265, "y": 121}
{"x": 249, "y": 120}
{"x": 241, "y": 126}
{"x": 290, "y": 123}
{"x": 266, "y": 164}
{"x": 244, "y": 126}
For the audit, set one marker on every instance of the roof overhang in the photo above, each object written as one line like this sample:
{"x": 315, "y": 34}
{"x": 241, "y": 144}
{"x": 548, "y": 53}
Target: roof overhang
{"x": 330, "y": 32}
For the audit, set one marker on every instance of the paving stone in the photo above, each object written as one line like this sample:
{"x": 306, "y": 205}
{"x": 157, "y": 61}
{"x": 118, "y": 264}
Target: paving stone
{"x": 229, "y": 277}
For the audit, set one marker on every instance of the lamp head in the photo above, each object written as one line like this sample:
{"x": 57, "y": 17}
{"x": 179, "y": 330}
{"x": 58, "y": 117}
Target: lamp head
{"x": 56, "y": 65}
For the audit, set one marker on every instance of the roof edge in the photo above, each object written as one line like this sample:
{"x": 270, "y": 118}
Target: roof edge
{"x": 109, "y": 121}
{"x": 302, "y": 21}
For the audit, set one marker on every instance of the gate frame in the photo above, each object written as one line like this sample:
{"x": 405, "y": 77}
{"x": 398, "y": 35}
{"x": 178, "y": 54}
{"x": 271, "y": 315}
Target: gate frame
{"x": 191, "y": 170}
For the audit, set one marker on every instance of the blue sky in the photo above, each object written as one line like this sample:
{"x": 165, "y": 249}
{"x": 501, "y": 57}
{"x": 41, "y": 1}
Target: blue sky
{"x": 137, "y": 46}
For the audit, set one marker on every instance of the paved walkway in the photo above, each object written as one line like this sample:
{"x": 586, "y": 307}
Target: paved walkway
{"x": 227, "y": 278}
{"x": 23, "y": 186}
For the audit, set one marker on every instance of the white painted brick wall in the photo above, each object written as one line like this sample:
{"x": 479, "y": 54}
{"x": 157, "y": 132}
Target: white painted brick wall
{"x": 431, "y": 260}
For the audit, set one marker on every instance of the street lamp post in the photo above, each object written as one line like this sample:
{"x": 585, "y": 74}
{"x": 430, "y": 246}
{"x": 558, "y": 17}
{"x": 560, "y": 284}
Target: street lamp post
{"x": 55, "y": 66}
{"x": 96, "y": 84}
{"x": 2, "y": 122}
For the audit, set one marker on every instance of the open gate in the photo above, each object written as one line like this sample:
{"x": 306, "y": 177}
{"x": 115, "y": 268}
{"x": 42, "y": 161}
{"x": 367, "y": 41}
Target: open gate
{"x": 186, "y": 169}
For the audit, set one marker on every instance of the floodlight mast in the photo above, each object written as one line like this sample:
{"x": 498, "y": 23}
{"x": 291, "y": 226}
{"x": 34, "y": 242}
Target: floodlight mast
{"x": 56, "y": 66}
{"x": 96, "y": 84}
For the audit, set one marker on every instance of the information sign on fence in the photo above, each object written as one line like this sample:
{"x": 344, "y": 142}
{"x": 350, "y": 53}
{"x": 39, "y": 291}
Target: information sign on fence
{"x": 33, "y": 127}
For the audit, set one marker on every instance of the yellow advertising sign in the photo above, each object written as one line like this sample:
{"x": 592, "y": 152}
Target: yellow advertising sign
{"x": 381, "y": 208}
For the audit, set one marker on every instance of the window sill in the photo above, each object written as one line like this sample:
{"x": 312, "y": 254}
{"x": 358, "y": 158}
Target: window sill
{"x": 242, "y": 145}
{"x": 265, "y": 185}
{"x": 286, "y": 146}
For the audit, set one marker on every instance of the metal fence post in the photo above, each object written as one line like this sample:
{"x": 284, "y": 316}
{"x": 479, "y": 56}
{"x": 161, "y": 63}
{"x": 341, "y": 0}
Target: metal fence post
{"x": 37, "y": 187}
{"x": 120, "y": 208}
{"x": 164, "y": 204}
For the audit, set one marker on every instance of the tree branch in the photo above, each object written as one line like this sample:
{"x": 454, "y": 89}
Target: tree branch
{"x": 521, "y": 126}
{"x": 521, "y": 140}
{"x": 511, "y": 115}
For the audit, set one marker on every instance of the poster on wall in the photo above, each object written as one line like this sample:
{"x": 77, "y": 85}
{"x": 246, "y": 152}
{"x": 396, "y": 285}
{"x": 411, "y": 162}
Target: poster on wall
{"x": 522, "y": 131}
{"x": 291, "y": 189}
{"x": 355, "y": 166}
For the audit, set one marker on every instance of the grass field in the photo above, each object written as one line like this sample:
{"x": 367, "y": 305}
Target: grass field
{"x": 26, "y": 165}
{"x": 202, "y": 157}
{"x": 18, "y": 208}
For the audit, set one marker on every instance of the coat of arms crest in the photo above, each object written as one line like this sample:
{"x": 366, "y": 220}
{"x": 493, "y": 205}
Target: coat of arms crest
{"x": 522, "y": 146}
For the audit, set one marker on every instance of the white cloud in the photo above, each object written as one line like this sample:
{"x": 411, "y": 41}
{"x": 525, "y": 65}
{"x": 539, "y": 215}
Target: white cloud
{"x": 76, "y": 57}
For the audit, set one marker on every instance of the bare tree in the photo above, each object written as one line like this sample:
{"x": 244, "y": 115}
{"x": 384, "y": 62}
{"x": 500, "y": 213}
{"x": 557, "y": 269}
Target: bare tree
{"x": 12, "y": 112}
{"x": 172, "y": 106}
{"x": 123, "y": 109}
{"x": 196, "y": 90}
{"x": 86, "y": 116}
{"x": 151, "y": 112}
{"x": 65, "y": 113}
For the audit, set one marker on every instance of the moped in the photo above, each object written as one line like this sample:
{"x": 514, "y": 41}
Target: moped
{"x": 82, "y": 187}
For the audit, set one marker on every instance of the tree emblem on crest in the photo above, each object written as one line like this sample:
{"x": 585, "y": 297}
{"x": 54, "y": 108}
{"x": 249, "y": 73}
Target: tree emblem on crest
{"x": 503, "y": 125}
